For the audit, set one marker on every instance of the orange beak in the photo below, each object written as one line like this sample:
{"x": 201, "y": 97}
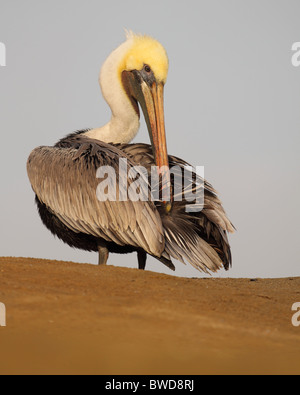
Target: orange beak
{"x": 150, "y": 96}
{"x": 154, "y": 116}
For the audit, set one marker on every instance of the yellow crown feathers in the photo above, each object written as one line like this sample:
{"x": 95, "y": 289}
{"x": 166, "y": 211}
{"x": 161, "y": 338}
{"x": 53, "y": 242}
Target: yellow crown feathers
{"x": 146, "y": 50}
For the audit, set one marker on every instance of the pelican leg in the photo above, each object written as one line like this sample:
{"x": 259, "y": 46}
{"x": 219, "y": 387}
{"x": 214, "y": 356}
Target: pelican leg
{"x": 142, "y": 258}
{"x": 103, "y": 254}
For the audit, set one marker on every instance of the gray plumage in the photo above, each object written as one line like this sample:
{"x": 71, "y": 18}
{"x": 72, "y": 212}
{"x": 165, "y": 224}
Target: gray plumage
{"x": 64, "y": 180}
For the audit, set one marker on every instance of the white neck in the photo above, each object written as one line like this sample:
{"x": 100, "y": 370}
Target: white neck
{"x": 124, "y": 123}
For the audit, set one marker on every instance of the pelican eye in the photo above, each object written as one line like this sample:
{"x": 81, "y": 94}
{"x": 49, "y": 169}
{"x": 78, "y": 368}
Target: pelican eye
{"x": 147, "y": 68}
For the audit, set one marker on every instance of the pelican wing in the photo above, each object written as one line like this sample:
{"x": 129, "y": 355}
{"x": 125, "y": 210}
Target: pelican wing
{"x": 199, "y": 238}
{"x": 64, "y": 178}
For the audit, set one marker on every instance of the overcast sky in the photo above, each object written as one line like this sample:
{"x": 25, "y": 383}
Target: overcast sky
{"x": 232, "y": 104}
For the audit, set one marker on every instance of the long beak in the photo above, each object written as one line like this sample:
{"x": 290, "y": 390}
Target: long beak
{"x": 153, "y": 109}
{"x": 151, "y": 98}
{"x": 154, "y": 115}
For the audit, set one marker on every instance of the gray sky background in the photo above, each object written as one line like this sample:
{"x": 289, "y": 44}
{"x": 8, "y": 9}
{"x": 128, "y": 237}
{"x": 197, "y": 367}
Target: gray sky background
{"x": 232, "y": 104}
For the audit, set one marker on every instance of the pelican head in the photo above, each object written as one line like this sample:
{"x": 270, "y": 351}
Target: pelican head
{"x": 145, "y": 50}
{"x": 135, "y": 74}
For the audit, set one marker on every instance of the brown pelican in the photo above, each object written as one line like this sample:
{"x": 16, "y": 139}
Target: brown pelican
{"x": 64, "y": 177}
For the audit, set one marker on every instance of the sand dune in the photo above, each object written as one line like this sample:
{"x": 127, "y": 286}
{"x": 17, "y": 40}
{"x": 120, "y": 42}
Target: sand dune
{"x": 67, "y": 318}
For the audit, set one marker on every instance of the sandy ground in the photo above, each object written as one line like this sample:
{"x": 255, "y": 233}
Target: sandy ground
{"x": 68, "y": 318}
